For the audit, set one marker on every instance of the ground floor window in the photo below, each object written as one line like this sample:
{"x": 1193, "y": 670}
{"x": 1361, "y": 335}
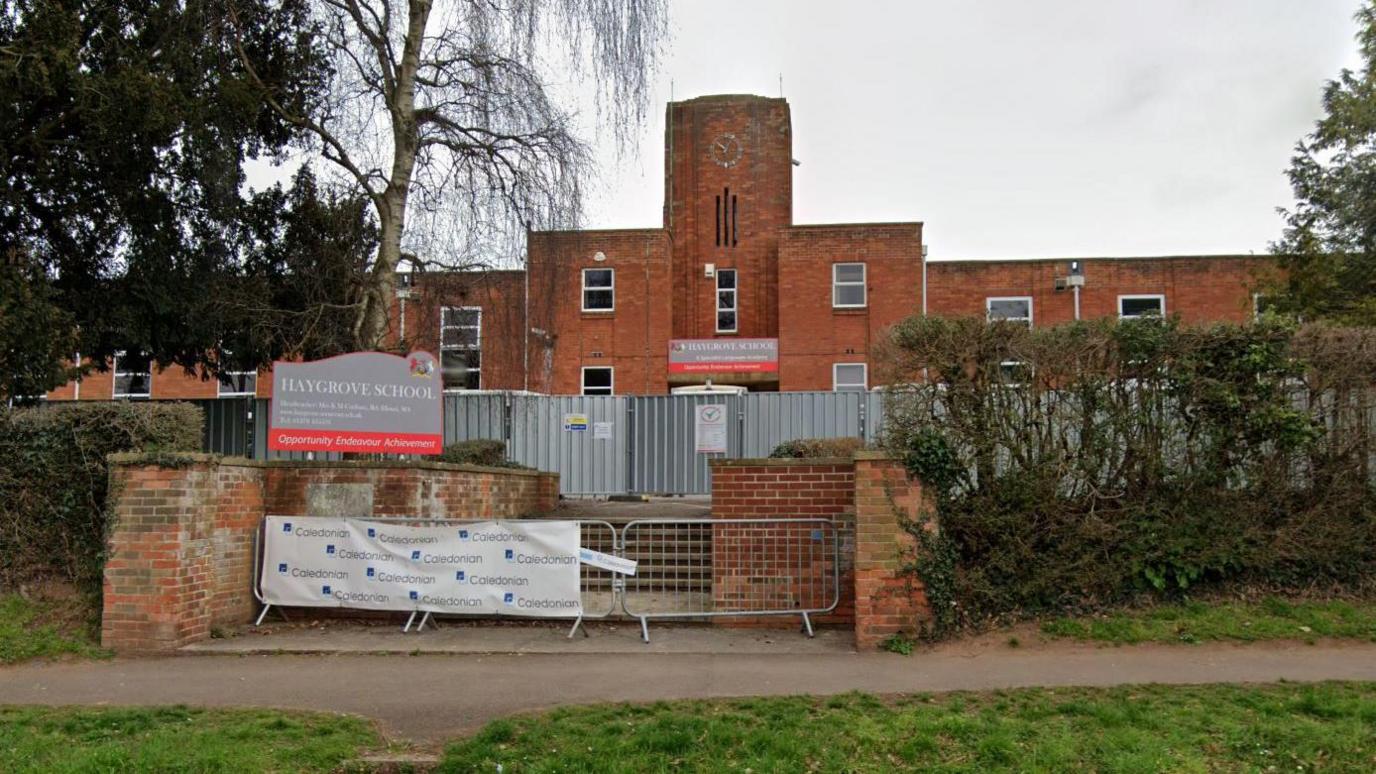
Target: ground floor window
{"x": 461, "y": 347}
{"x": 133, "y": 375}
{"x": 1132, "y": 307}
{"x": 849, "y": 377}
{"x": 597, "y": 380}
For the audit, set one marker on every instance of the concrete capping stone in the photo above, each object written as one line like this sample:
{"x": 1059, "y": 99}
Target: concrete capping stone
{"x": 875, "y": 454}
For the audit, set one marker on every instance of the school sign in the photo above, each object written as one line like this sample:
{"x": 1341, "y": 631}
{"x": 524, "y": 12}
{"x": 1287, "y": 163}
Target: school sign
{"x": 369, "y": 402}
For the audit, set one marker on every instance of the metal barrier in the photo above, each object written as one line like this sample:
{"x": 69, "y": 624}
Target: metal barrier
{"x": 706, "y": 568}
{"x": 597, "y": 587}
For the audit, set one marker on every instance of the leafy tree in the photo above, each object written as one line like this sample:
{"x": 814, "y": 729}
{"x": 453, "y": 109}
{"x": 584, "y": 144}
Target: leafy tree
{"x": 36, "y": 335}
{"x": 126, "y": 127}
{"x": 443, "y": 117}
{"x": 1328, "y": 249}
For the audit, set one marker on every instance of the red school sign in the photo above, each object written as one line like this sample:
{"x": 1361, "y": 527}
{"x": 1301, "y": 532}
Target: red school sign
{"x": 687, "y": 356}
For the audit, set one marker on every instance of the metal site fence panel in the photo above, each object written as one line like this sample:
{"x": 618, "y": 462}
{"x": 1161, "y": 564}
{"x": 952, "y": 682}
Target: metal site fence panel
{"x": 708, "y": 568}
{"x": 596, "y": 587}
{"x": 581, "y": 437}
{"x": 663, "y": 454}
{"x": 773, "y": 418}
{"x": 643, "y": 444}
{"x": 472, "y": 417}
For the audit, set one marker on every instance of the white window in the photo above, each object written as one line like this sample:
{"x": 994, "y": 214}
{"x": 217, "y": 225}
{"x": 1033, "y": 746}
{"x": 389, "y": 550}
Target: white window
{"x": 238, "y": 383}
{"x": 461, "y": 347}
{"x": 849, "y": 377}
{"x": 726, "y": 301}
{"x": 133, "y": 375}
{"x": 597, "y": 380}
{"x": 599, "y": 290}
{"x": 1132, "y": 307}
{"x": 848, "y": 285}
{"x": 1011, "y": 308}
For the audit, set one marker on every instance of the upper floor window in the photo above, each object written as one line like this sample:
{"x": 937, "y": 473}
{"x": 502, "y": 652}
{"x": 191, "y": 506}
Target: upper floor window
{"x": 726, "y": 301}
{"x": 849, "y": 377}
{"x": 1011, "y": 308}
{"x": 1132, "y": 307}
{"x": 461, "y": 342}
{"x": 848, "y": 285}
{"x": 599, "y": 290}
{"x": 238, "y": 383}
{"x": 597, "y": 380}
{"x": 133, "y": 375}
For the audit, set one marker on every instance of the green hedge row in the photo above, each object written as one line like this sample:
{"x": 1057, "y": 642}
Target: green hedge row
{"x": 1083, "y": 465}
{"x": 54, "y": 481}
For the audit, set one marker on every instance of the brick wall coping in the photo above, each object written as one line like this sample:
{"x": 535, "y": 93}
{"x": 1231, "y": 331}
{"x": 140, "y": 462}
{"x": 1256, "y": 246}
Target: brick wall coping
{"x": 171, "y": 460}
{"x": 874, "y": 454}
{"x": 781, "y": 462}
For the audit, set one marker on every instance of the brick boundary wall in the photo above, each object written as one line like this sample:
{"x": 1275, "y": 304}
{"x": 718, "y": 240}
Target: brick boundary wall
{"x": 869, "y": 497}
{"x": 182, "y": 530}
{"x": 780, "y": 488}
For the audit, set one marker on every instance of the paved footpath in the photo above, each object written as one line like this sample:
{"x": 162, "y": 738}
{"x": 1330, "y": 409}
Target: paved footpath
{"x": 428, "y": 698}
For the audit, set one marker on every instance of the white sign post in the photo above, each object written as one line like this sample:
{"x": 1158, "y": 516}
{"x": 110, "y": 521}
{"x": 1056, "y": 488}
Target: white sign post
{"x": 710, "y": 429}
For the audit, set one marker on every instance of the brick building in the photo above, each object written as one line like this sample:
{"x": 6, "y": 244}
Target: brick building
{"x": 729, "y": 289}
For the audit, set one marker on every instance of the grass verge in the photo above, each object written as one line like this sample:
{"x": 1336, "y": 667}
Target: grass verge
{"x": 1280, "y": 727}
{"x": 1190, "y": 622}
{"x": 70, "y": 739}
{"x": 46, "y": 628}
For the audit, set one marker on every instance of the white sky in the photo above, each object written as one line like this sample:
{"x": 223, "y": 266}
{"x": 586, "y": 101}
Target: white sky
{"x": 1013, "y": 128}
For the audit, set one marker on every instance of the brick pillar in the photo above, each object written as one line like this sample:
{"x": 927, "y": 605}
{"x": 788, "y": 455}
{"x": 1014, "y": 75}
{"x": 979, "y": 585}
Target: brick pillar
{"x": 157, "y": 586}
{"x": 887, "y": 601}
{"x": 547, "y": 493}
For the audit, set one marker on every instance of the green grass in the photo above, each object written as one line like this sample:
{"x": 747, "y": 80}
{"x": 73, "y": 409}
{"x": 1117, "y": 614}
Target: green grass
{"x": 1190, "y": 622}
{"x": 66, "y": 739}
{"x": 30, "y": 629}
{"x": 1282, "y": 727}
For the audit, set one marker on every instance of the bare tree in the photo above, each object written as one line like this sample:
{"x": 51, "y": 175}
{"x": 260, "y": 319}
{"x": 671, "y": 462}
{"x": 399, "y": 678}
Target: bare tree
{"x": 444, "y": 114}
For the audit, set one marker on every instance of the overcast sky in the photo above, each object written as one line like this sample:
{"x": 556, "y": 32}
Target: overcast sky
{"x": 1012, "y": 128}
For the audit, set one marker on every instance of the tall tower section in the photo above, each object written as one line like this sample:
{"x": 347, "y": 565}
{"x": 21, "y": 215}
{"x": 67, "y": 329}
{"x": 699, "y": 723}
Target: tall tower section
{"x": 728, "y": 190}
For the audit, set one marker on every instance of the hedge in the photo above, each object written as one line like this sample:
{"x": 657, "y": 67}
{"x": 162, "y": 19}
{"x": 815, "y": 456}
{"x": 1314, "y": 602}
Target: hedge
{"x": 479, "y": 451}
{"x": 815, "y": 448}
{"x": 1083, "y": 465}
{"x": 54, "y": 481}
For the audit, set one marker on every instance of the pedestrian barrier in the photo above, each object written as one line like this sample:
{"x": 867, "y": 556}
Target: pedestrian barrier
{"x": 687, "y": 569}
{"x": 709, "y": 568}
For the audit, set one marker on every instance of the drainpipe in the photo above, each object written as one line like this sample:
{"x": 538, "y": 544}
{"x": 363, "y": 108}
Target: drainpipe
{"x": 924, "y": 280}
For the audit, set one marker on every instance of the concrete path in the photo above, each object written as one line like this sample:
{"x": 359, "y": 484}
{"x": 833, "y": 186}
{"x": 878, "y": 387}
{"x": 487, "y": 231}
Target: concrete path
{"x": 430, "y": 698}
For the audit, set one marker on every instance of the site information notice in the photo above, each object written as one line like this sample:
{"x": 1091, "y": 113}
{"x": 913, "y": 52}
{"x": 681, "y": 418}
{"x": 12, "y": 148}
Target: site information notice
{"x": 522, "y": 568}
{"x": 368, "y": 402}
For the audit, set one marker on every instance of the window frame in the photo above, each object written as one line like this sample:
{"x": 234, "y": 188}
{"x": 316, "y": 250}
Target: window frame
{"x": 114, "y": 381}
{"x": 837, "y": 284}
{"x": 1160, "y": 297}
{"x": 735, "y": 309}
{"x": 609, "y": 288}
{"x": 835, "y": 373}
{"x": 237, "y": 393}
{"x": 583, "y": 380}
{"x": 988, "y": 308}
{"x": 476, "y": 346}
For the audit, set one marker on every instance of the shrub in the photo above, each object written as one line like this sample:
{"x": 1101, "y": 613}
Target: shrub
{"x": 1082, "y": 465}
{"x": 54, "y": 481}
{"x": 479, "y": 451}
{"x": 814, "y": 448}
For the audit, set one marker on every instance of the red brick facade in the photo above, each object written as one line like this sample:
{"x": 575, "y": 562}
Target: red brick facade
{"x": 182, "y": 538}
{"x": 728, "y": 206}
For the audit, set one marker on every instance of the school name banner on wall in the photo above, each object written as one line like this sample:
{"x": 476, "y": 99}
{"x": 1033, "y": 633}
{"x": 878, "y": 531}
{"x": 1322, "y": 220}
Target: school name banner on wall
{"x": 523, "y": 568}
{"x": 368, "y": 402}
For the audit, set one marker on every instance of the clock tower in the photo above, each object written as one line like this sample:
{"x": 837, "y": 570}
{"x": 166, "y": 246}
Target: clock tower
{"x": 728, "y": 189}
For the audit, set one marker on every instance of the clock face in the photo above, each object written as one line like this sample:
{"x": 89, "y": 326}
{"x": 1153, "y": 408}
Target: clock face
{"x": 726, "y": 150}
